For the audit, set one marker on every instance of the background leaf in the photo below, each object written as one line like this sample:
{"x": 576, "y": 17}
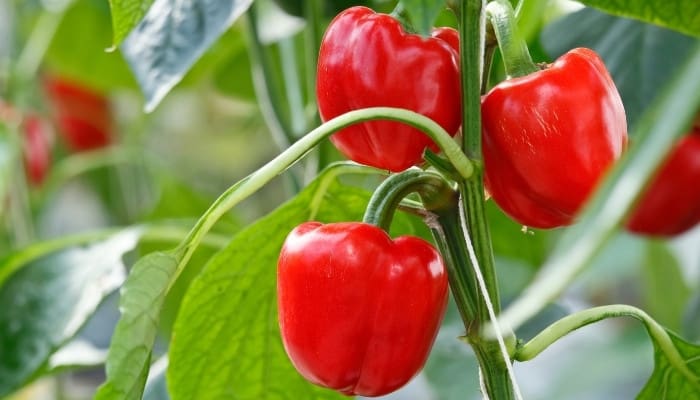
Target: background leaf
{"x": 171, "y": 38}
{"x": 640, "y": 57}
{"x": 126, "y": 14}
{"x": 87, "y": 22}
{"x": 47, "y": 301}
{"x": 8, "y": 154}
{"x": 423, "y": 13}
{"x": 666, "y": 382}
{"x": 665, "y": 292}
{"x": 680, "y": 15}
{"x": 226, "y": 342}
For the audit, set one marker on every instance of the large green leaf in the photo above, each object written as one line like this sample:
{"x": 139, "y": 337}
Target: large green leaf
{"x": 640, "y": 57}
{"x": 226, "y": 342}
{"x": 667, "y": 382}
{"x": 48, "y": 298}
{"x": 126, "y": 14}
{"x": 680, "y": 15}
{"x": 172, "y": 36}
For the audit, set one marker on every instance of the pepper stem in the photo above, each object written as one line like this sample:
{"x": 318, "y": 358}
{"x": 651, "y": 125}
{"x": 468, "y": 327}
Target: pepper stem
{"x": 516, "y": 56}
{"x": 432, "y": 188}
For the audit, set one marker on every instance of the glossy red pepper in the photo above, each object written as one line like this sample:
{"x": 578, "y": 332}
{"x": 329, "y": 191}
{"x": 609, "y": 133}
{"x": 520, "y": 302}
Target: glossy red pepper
{"x": 83, "y": 115}
{"x": 37, "y": 148}
{"x": 549, "y": 136}
{"x": 671, "y": 203}
{"x": 358, "y": 312}
{"x": 367, "y": 60}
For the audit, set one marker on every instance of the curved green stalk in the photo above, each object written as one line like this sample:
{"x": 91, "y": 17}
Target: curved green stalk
{"x": 431, "y": 186}
{"x": 250, "y": 184}
{"x": 570, "y": 323}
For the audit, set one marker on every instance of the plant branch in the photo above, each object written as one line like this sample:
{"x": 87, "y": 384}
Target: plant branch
{"x": 250, "y": 184}
{"x": 432, "y": 188}
{"x": 570, "y": 323}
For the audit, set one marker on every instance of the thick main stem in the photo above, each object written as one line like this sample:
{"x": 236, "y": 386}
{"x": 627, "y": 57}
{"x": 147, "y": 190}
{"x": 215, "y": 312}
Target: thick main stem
{"x": 496, "y": 379}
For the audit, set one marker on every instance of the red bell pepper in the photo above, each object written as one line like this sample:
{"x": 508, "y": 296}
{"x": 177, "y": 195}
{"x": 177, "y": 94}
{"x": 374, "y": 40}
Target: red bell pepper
{"x": 358, "y": 312}
{"x": 367, "y": 60}
{"x": 549, "y": 136}
{"x": 671, "y": 203}
{"x": 83, "y": 115}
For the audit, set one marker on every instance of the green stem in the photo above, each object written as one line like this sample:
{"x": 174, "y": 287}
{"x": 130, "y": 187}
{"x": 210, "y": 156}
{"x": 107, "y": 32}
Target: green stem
{"x": 472, "y": 197}
{"x": 250, "y": 184}
{"x": 266, "y": 90}
{"x": 449, "y": 237}
{"x": 293, "y": 88}
{"x": 570, "y": 323}
{"x": 470, "y": 220}
{"x": 312, "y": 42}
{"x": 431, "y": 186}
{"x": 516, "y": 56}
{"x": 489, "y": 51}
{"x": 34, "y": 50}
{"x": 471, "y": 59}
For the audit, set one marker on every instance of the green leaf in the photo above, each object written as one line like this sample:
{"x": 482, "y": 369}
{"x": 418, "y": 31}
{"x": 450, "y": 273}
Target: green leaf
{"x": 87, "y": 22}
{"x": 510, "y": 241}
{"x": 423, "y": 13}
{"x": 226, "y": 341}
{"x": 680, "y": 15}
{"x": 142, "y": 298}
{"x": 666, "y": 381}
{"x": 452, "y": 371}
{"x": 640, "y": 57}
{"x": 126, "y": 14}
{"x": 665, "y": 291}
{"x": 172, "y": 37}
{"x": 48, "y": 299}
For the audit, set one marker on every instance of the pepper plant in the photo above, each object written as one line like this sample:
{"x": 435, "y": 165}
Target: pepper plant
{"x": 476, "y": 132}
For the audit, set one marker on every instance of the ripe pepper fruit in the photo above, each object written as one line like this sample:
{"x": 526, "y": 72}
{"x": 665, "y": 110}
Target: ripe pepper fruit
{"x": 549, "y": 136}
{"x": 37, "y": 148}
{"x": 358, "y": 312}
{"x": 366, "y": 59}
{"x": 83, "y": 115}
{"x": 671, "y": 203}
